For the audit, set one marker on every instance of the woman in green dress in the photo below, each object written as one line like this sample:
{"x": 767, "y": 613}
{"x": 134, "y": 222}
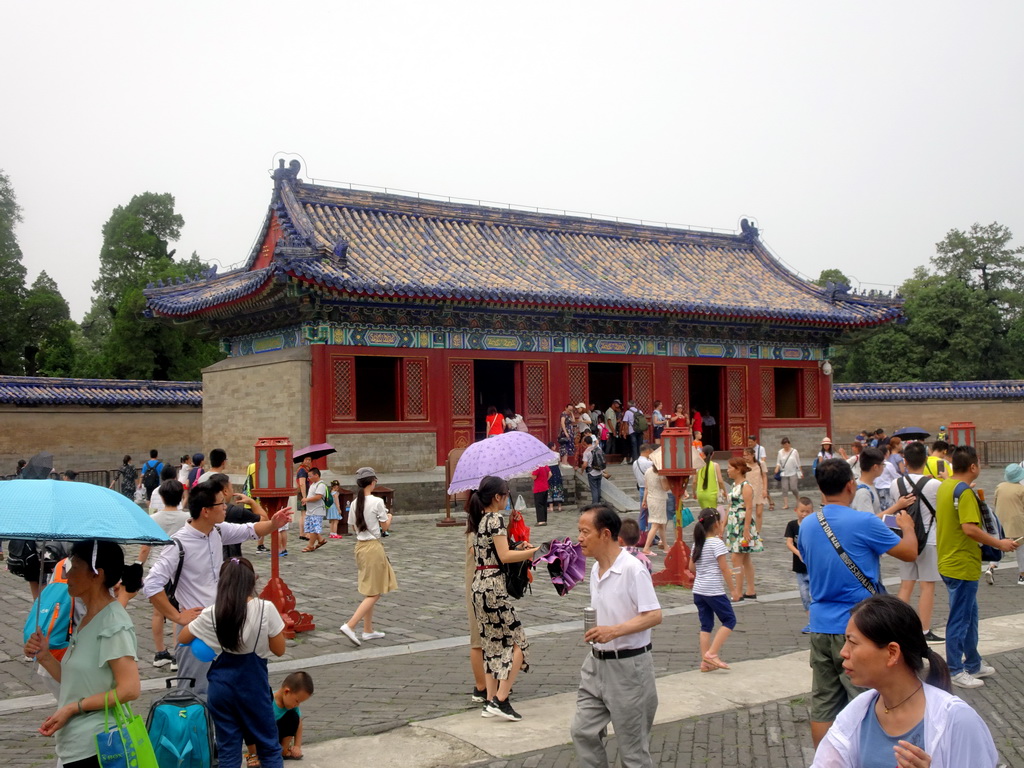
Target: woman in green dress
{"x": 709, "y": 485}
{"x": 741, "y": 535}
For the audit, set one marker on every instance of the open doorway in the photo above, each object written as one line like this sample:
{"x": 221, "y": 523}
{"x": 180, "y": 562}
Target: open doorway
{"x": 495, "y": 383}
{"x": 706, "y": 397}
{"x": 607, "y": 382}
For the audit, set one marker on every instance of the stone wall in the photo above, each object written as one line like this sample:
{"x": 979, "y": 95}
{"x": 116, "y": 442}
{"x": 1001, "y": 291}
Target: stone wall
{"x": 385, "y": 452}
{"x": 84, "y": 438}
{"x": 246, "y": 398}
{"x": 806, "y": 440}
{"x": 994, "y": 419}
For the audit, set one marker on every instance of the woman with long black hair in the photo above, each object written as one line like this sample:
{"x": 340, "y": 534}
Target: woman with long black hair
{"x": 101, "y": 661}
{"x": 708, "y": 483}
{"x": 502, "y": 634}
{"x": 244, "y": 630}
{"x": 369, "y": 517}
{"x": 915, "y": 721}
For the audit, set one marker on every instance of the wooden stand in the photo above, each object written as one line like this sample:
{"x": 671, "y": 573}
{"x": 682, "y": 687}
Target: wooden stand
{"x": 276, "y": 591}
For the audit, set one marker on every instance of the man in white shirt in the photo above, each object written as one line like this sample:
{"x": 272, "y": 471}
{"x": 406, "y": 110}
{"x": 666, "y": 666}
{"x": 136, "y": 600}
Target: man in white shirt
{"x": 202, "y": 554}
{"x": 617, "y": 678}
{"x": 867, "y": 498}
{"x": 926, "y": 568}
{"x": 633, "y": 437}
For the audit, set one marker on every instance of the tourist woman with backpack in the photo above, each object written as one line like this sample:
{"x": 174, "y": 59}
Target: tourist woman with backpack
{"x": 243, "y": 630}
{"x": 502, "y": 634}
{"x": 100, "y": 661}
{"x": 370, "y": 518}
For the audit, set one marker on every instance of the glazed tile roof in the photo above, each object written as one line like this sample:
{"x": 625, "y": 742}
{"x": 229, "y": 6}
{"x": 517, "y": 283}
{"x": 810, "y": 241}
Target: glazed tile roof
{"x": 102, "y": 393}
{"x": 929, "y": 390}
{"x": 345, "y": 241}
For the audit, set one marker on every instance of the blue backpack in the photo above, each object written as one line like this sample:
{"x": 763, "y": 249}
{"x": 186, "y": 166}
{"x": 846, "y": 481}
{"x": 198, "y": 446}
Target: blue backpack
{"x": 181, "y": 729}
{"x": 55, "y": 613}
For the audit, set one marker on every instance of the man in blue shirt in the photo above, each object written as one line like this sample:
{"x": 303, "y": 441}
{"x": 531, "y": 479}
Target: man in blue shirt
{"x": 834, "y": 587}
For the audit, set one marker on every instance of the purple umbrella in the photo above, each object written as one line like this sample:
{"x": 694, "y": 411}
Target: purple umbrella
{"x": 315, "y": 451}
{"x": 505, "y": 456}
{"x": 565, "y": 561}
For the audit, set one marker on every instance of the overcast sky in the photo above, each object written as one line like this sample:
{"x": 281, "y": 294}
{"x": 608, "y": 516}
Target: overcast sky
{"x": 856, "y": 134}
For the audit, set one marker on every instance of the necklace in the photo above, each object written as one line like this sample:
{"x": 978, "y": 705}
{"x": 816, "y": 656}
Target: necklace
{"x": 889, "y": 709}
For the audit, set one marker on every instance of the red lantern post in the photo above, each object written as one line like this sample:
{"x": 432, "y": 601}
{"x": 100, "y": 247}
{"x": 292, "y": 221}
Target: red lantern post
{"x": 273, "y": 485}
{"x": 677, "y": 466}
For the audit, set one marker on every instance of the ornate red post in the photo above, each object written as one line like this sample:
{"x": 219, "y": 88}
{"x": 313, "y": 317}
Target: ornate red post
{"x": 676, "y": 465}
{"x": 273, "y": 486}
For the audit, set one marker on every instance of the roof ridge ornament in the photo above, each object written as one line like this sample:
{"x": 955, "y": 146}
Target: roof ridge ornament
{"x": 749, "y": 230}
{"x": 291, "y": 173}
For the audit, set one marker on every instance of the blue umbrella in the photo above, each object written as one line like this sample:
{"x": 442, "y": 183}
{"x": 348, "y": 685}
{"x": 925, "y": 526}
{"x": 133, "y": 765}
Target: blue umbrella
{"x": 55, "y": 510}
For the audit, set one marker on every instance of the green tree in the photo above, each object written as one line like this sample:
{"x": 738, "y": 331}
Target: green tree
{"x": 45, "y": 323}
{"x": 982, "y": 258}
{"x": 117, "y": 339}
{"x": 835, "y": 275}
{"x": 12, "y": 281}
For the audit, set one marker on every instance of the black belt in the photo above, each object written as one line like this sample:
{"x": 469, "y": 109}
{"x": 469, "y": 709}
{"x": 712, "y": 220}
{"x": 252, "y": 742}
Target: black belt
{"x": 624, "y": 654}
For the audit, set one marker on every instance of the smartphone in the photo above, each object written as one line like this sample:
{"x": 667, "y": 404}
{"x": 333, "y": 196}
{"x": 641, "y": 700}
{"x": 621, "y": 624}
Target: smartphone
{"x": 1019, "y": 540}
{"x": 890, "y": 523}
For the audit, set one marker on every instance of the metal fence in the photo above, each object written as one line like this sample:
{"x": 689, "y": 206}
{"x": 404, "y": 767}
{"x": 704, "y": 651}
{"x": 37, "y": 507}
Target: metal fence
{"x": 102, "y": 477}
{"x": 995, "y": 453}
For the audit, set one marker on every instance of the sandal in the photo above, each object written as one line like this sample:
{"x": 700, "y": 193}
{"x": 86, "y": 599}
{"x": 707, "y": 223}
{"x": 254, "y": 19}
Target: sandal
{"x": 308, "y": 549}
{"x": 714, "y": 661}
{"x": 252, "y": 761}
{"x": 320, "y": 544}
{"x": 705, "y": 667}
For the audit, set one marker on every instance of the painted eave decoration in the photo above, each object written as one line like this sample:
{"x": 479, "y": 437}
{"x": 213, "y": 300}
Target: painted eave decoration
{"x": 348, "y": 243}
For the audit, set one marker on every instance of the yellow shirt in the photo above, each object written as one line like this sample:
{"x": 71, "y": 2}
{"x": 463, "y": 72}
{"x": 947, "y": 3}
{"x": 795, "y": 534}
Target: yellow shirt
{"x": 934, "y": 465}
{"x": 959, "y": 554}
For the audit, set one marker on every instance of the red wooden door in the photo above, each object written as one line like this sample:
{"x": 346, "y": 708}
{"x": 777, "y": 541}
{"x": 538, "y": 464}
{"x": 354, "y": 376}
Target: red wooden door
{"x": 535, "y": 399}
{"x": 460, "y": 388}
{"x": 736, "y": 406}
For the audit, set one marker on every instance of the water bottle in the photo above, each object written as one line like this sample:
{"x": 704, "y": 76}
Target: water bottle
{"x": 589, "y": 619}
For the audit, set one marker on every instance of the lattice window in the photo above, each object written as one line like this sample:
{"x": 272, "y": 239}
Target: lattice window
{"x": 680, "y": 388}
{"x": 415, "y": 388}
{"x": 462, "y": 390}
{"x": 578, "y": 382}
{"x": 643, "y": 387}
{"x": 343, "y": 400}
{"x": 535, "y": 386}
{"x": 736, "y": 391}
{"x": 768, "y": 392}
{"x": 811, "y": 409}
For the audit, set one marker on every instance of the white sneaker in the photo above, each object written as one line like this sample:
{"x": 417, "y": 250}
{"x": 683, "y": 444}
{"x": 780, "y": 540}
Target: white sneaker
{"x": 350, "y": 635}
{"x": 966, "y": 680}
{"x": 985, "y": 671}
{"x": 373, "y": 635}
{"x": 1020, "y": 581}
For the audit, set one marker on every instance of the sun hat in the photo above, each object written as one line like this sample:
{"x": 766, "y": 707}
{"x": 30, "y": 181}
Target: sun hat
{"x": 1013, "y": 473}
{"x": 826, "y": 439}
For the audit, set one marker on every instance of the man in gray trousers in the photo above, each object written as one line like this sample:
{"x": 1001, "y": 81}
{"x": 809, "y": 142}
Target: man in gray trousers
{"x": 617, "y": 677}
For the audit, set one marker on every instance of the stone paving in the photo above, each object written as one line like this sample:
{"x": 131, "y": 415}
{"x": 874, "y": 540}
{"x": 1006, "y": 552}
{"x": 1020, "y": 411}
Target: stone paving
{"x": 360, "y": 694}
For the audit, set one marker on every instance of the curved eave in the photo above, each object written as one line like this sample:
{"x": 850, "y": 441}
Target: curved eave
{"x": 176, "y": 305}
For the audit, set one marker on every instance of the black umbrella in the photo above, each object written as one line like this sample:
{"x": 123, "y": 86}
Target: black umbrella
{"x": 39, "y": 467}
{"x": 911, "y": 433}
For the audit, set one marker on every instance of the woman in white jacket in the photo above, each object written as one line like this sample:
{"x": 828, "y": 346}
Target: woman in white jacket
{"x": 919, "y": 723}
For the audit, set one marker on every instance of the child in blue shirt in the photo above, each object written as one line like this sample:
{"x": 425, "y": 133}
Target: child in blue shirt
{"x": 295, "y": 689}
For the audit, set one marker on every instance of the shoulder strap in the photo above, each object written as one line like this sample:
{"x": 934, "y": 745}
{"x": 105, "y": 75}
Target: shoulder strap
{"x": 857, "y": 572}
{"x": 958, "y": 492}
{"x": 181, "y": 562}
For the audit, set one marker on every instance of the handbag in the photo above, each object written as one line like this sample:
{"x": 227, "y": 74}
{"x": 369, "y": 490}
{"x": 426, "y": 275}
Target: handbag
{"x": 125, "y": 742}
{"x": 873, "y": 588}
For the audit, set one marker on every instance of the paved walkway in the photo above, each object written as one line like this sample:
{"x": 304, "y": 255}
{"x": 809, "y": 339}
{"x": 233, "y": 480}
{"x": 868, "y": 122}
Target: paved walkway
{"x": 419, "y": 672}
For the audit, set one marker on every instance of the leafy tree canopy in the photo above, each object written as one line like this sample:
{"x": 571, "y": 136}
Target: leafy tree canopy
{"x": 12, "y": 280}
{"x": 835, "y": 275}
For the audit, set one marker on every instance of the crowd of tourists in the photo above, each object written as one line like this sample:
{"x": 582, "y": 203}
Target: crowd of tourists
{"x": 878, "y": 692}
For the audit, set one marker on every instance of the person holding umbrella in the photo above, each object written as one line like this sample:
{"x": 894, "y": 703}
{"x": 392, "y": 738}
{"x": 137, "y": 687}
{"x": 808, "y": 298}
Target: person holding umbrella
{"x": 101, "y": 659}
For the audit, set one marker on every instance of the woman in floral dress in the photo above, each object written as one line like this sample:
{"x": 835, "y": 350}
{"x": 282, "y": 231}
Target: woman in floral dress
{"x": 741, "y": 535}
{"x": 502, "y": 634}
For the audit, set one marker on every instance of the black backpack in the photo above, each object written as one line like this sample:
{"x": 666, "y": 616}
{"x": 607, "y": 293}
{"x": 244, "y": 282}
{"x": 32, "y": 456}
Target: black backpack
{"x": 517, "y": 575}
{"x": 914, "y": 510}
{"x": 150, "y": 477}
{"x": 597, "y": 459}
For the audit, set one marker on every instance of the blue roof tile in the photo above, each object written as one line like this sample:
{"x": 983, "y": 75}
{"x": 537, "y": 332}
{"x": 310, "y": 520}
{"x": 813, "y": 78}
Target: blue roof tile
{"x": 101, "y": 393}
{"x": 929, "y": 390}
{"x": 357, "y": 242}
